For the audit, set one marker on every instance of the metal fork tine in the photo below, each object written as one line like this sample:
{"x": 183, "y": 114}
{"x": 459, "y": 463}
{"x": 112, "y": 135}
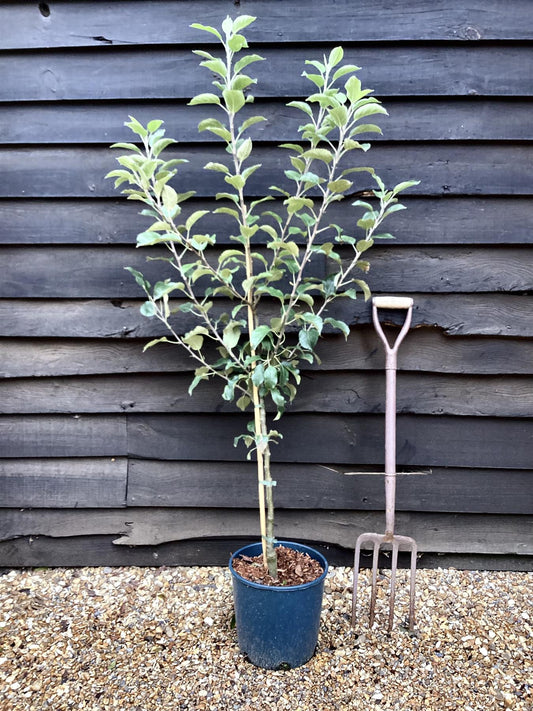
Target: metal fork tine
{"x": 355, "y": 579}
{"x": 394, "y": 565}
{"x": 412, "y": 587}
{"x": 375, "y": 559}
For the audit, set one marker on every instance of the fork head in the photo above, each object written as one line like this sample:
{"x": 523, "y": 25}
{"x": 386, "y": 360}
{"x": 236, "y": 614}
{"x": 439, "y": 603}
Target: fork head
{"x": 389, "y": 542}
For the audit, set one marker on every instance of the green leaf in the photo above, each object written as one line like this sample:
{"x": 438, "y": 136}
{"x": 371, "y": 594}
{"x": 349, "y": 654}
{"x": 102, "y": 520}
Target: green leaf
{"x": 369, "y": 110}
{"x": 320, "y": 154}
{"x": 292, "y": 147}
{"x": 271, "y": 377}
{"x": 139, "y": 278}
{"x": 364, "y": 244}
{"x": 339, "y": 116}
{"x": 231, "y": 334}
{"x": 335, "y": 56}
{"x": 294, "y": 204}
{"x": 136, "y": 127}
{"x": 207, "y": 28}
{"x": 394, "y": 208}
{"x": 353, "y": 89}
{"x": 161, "y": 288}
{"x": 403, "y": 186}
{"x": 279, "y": 402}
{"x": 302, "y": 106}
{"x": 204, "y": 99}
{"x": 217, "y": 167}
{"x": 229, "y": 391}
{"x": 308, "y": 339}
{"x": 243, "y": 402}
{"x": 215, "y": 65}
{"x": 366, "y": 128}
{"x": 236, "y": 181}
{"x": 258, "y": 335}
{"x": 364, "y": 288}
{"x": 237, "y": 42}
{"x": 339, "y": 186}
{"x": 227, "y": 211}
{"x": 195, "y": 338}
{"x": 242, "y": 21}
{"x": 346, "y": 69}
{"x": 241, "y": 82}
{"x": 315, "y": 78}
{"x": 258, "y": 375}
{"x": 210, "y": 123}
{"x": 170, "y": 199}
{"x": 244, "y": 149}
{"x": 193, "y": 219}
{"x": 250, "y": 122}
{"x": 246, "y": 60}
{"x": 340, "y": 325}
{"x": 234, "y": 100}
{"x": 127, "y": 147}
{"x": 251, "y": 169}
{"x": 164, "y": 339}
{"x": 153, "y": 125}
{"x": 148, "y": 309}
{"x": 145, "y": 239}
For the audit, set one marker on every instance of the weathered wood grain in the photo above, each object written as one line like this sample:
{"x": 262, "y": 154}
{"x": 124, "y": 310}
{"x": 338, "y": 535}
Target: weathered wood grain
{"x": 434, "y": 532}
{"x": 443, "y": 169}
{"x": 99, "y": 272}
{"x": 457, "y": 314}
{"x": 312, "y": 487}
{"x": 424, "y": 119}
{"x": 63, "y": 483}
{"x": 334, "y": 392}
{"x": 170, "y": 73}
{"x": 426, "y": 349}
{"x": 450, "y": 221}
{"x": 62, "y": 436}
{"x": 38, "y": 551}
{"x": 78, "y": 24}
{"x": 423, "y": 441}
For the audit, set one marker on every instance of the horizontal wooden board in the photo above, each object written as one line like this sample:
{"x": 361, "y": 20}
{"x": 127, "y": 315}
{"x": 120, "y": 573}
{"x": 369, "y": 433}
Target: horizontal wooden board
{"x": 434, "y": 532}
{"x": 425, "y": 119}
{"x": 423, "y": 441}
{"x": 456, "y": 314}
{"x": 442, "y": 169}
{"x": 168, "y": 73}
{"x": 75, "y": 24}
{"x": 300, "y": 486}
{"x": 62, "y": 436}
{"x": 63, "y": 483}
{"x": 99, "y": 272}
{"x": 334, "y": 392}
{"x": 443, "y": 220}
{"x": 425, "y": 349}
{"x": 39, "y": 551}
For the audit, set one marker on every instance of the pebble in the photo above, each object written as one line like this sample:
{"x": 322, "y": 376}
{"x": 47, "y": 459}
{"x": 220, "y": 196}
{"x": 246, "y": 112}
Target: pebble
{"x": 162, "y": 638}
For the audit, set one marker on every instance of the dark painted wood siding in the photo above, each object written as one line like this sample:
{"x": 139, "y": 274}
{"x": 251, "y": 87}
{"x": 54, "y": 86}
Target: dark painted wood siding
{"x": 104, "y": 458}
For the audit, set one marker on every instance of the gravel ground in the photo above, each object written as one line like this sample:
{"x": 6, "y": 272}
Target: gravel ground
{"x": 138, "y": 639}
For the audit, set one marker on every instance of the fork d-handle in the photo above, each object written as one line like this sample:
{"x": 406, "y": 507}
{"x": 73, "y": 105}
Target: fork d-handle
{"x": 396, "y": 303}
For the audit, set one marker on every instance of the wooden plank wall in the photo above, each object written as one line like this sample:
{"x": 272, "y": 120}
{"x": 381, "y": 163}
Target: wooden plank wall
{"x": 104, "y": 459}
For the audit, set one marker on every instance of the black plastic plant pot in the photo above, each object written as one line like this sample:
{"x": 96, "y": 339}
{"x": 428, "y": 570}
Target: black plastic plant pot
{"x": 277, "y": 627}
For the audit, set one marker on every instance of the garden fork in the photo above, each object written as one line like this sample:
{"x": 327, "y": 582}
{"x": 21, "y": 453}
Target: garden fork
{"x": 389, "y": 539}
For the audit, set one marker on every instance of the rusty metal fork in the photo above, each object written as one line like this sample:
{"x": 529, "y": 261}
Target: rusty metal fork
{"x": 389, "y": 540}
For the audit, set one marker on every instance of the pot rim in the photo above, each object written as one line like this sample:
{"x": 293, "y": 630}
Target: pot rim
{"x": 287, "y": 588}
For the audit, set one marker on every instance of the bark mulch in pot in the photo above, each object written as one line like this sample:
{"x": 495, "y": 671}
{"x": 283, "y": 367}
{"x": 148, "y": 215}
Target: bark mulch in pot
{"x": 294, "y": 568}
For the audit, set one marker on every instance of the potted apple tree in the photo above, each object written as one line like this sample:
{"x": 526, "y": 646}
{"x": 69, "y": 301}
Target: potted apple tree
{"x": 260, "y": 306}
